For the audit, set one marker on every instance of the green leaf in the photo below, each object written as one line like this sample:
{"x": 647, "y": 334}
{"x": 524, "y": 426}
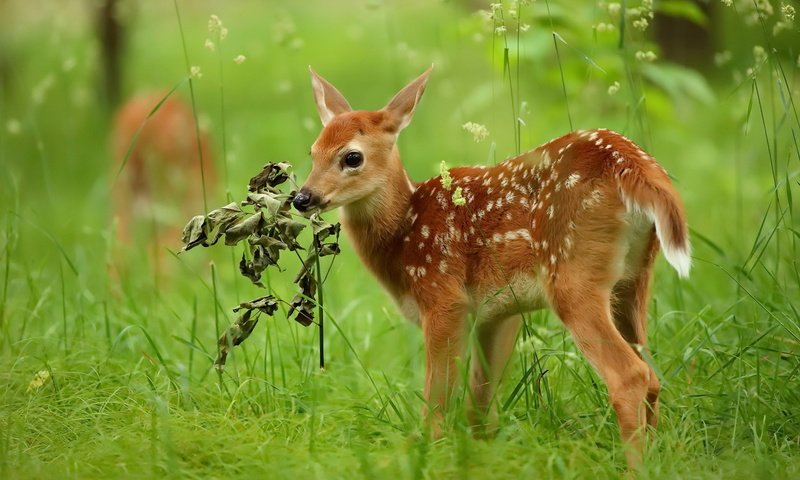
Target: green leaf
{"x": 683, "y": 9}
{"x": 679, "y": 82}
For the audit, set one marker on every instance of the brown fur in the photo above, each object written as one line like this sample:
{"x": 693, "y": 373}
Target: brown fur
{"x": 160, "y": 185}
{"x": 548, "y": 227}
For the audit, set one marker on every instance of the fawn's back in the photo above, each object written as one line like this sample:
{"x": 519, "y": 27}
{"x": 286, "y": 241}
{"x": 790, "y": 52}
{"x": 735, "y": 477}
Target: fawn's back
{"x": 559, "y": 206}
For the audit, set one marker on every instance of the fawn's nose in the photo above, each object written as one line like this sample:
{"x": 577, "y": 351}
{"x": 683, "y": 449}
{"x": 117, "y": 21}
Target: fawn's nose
{"x": 303, "y": 200}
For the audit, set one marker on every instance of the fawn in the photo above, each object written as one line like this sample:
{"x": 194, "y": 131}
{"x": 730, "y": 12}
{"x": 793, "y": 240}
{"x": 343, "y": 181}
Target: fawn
{"x": 161, "y": 182}
{"x": 574, "y": 224}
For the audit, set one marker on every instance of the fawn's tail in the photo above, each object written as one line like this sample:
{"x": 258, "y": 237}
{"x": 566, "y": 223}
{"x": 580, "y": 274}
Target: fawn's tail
{"x": 646, "y": 188}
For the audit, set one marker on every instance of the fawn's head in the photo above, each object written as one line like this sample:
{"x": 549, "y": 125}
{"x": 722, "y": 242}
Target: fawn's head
{"x": 355, "y": 155}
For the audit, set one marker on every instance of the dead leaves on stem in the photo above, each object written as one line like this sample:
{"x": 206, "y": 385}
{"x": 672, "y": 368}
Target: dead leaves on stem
{"x": 267, "y": 226}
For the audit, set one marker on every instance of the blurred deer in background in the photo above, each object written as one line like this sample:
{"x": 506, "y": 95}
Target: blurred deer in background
{"x": 574, "y": 224}
{"x": 161, "y": 182}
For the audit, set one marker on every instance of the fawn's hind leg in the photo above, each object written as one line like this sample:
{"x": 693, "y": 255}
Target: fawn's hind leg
{"x": 586, "y": 311}
{"x": 629, "y": 307}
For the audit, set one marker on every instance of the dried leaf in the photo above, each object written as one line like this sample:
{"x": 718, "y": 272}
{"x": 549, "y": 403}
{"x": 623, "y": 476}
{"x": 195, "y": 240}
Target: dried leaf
{"x": 193, "y": 234}
{"x": 323, "y": 229}
{"x": 273, "y": 203}
{"x": 42, "y": 377}
{"x": 266, "y": 304}
{"x": 270, "y": 229}
{"x": 304, "y": 308}
{"x": 243, "y": 229}
{"x": 272, "y": 175}
{"x": 329, "y": 249}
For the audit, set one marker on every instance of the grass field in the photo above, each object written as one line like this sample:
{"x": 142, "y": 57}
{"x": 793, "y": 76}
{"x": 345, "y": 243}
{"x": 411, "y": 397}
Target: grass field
{"x": 130, "y": 390}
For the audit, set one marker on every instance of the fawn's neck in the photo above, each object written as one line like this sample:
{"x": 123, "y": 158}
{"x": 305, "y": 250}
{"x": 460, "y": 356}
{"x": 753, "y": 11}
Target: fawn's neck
{"x": 376, "y": 225}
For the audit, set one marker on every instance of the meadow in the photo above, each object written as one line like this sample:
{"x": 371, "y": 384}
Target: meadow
{"x": 108, "y": 376}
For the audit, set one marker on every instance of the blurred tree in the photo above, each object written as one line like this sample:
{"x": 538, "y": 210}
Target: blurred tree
{"x": 683, "y": 31}
{"x": 111, "y": 33}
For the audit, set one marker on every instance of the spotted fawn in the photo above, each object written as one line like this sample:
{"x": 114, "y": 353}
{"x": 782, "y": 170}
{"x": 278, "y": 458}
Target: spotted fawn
{"x": 160, "y": 183}
{"x": 574, "y": 224}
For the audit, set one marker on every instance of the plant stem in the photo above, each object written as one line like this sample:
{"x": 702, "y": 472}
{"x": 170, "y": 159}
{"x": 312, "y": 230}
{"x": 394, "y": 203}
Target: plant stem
{"x": 320, "y": 310}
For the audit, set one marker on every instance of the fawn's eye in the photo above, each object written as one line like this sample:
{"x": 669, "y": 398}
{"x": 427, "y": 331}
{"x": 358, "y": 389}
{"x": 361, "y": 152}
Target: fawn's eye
{"x": 353, "y": 159}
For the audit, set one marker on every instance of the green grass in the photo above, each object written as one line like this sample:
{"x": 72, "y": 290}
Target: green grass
{"x": 131, "y": 390}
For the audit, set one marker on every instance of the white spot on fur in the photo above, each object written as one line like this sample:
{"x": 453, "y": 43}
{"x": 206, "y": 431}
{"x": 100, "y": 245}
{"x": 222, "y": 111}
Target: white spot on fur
{"x": 425, "y": 231}
{"x": 572, "y": 180}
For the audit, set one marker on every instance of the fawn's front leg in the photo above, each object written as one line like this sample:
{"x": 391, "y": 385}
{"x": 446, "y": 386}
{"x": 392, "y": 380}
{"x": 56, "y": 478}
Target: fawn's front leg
{"x": 496, "y": 339}
{"x": 444, "y": 331}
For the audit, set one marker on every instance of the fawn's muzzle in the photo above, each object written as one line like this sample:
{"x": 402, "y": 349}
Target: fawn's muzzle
{"x": 304, "y": 200}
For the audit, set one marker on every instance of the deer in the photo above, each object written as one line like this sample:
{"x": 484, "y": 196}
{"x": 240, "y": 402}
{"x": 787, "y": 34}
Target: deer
{"x": 156, "y": 176}
{"x": 574, "y": 224}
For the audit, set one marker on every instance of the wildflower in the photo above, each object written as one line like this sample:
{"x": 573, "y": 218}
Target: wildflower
{"x": 495, "y": 7}
{"x": 727, "y": 3}
{"x": 447, "y": 180}
{"x": 215, "y": 26}
{"x": 38, "y": 381}
{"x": 613, "y": 88}
{"x": 604, "y": 27}
{"x": 69, "y": 64}
{"x": 284, "y": 86}
{"x": 788, "y": 11}
{"x": 759, "y": 54}
{"x": 209, "y": 44}
{"x": 786, "y": 22}
{"x": 524, "y": 108}
{"x": 195, "y": 72}
{"x": 501, "y": 30}
{"x": 40, "y": 90}
{"x": 641, "y": 24}
{"x": 614, "y": 8}
{"x": 524, "y": 27}
{"x": 721, "y": 58}
{"x": 479, "y": 132}
{"x": 214, "y": 23}
{"x": 239, "y": 59}
{"x": 647, "y": 56}
{"x": 13, "y": 126}
{"x": 458, "y": 199}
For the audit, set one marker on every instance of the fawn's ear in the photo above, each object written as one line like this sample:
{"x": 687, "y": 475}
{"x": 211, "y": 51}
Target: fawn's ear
{"x": 329, "y": 101}
{"x": 401, "y": 107}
